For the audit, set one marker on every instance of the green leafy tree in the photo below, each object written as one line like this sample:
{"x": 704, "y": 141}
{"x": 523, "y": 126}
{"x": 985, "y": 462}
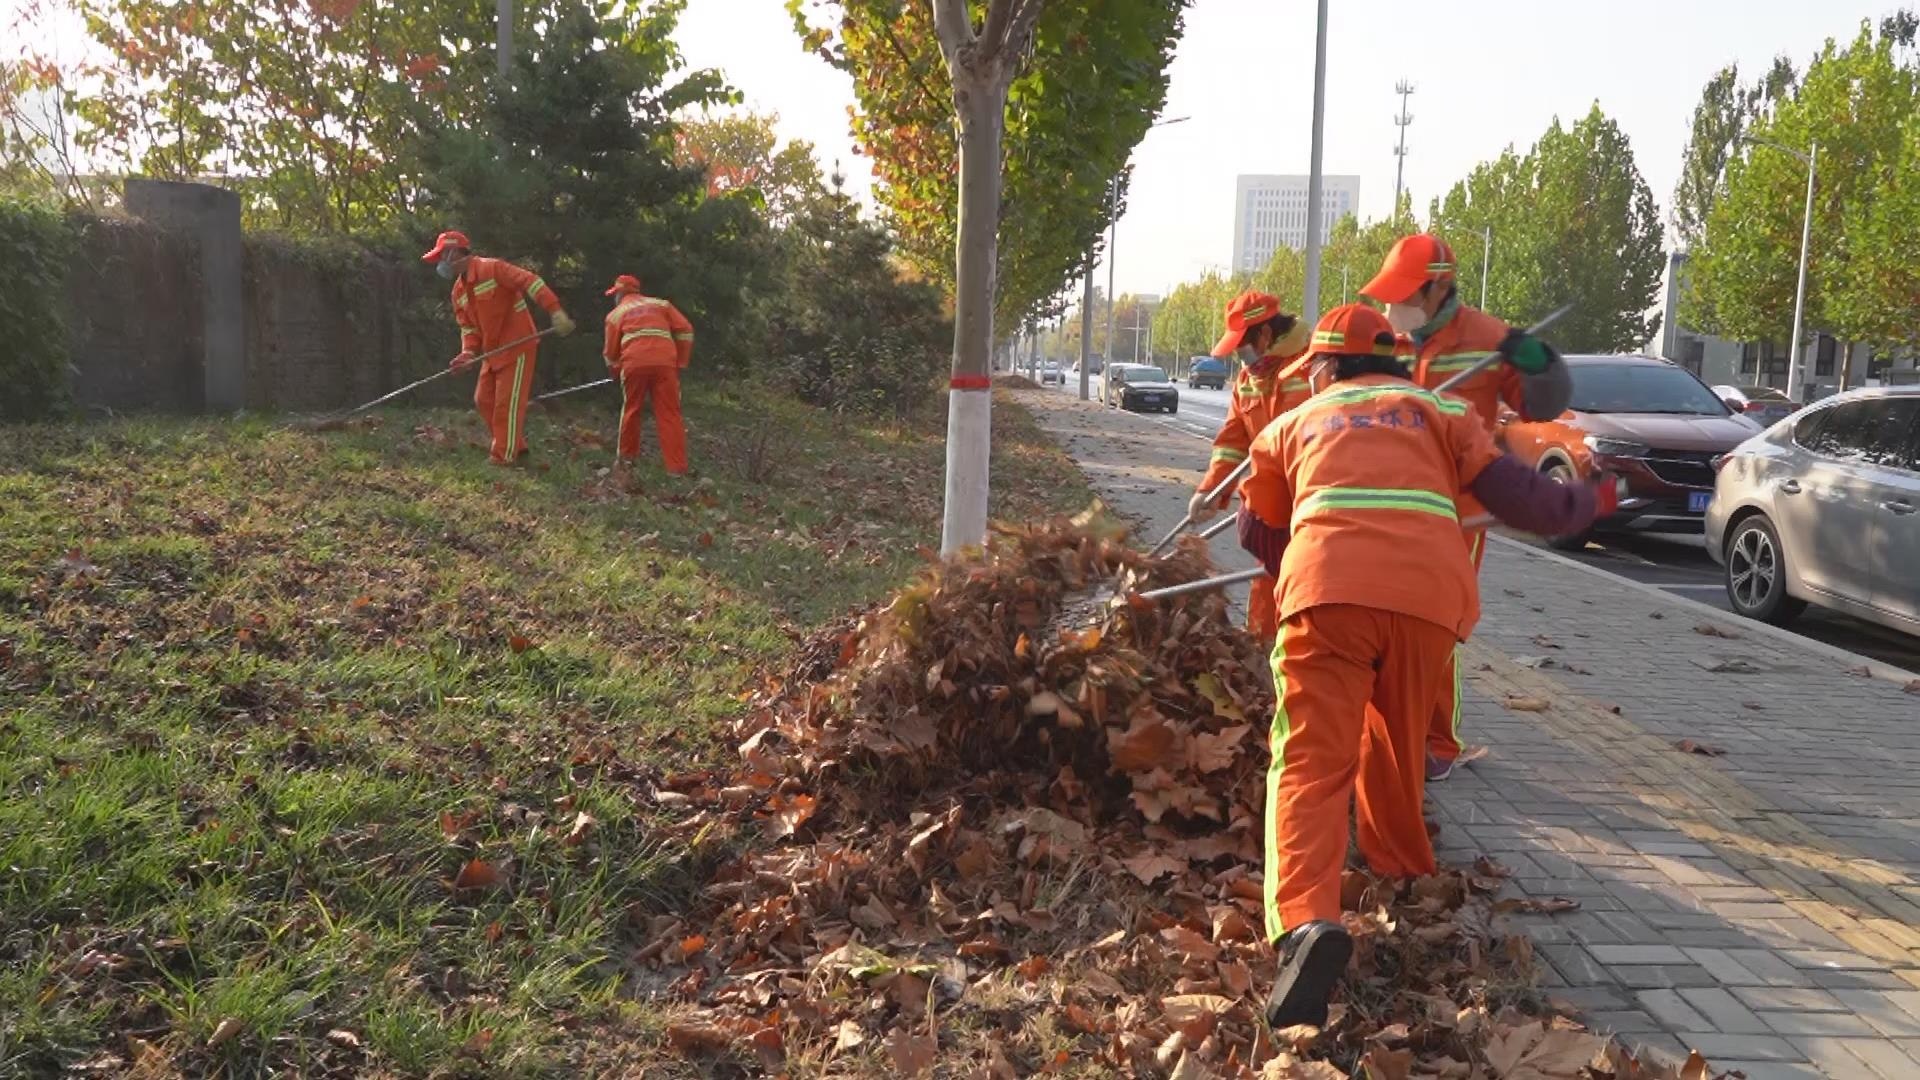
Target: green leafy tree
{"x": 741, "y": 154}
{"x": 1039, "y": 102}
{"x": 1857, "y": 101}
{"x": 1726, "y": 109}
{"x": 1573, "y": 221}
{"x": 1881, "y": 277}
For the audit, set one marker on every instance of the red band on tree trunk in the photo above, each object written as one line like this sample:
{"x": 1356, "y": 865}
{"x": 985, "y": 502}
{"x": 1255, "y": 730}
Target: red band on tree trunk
{"x": 970, "y": 382}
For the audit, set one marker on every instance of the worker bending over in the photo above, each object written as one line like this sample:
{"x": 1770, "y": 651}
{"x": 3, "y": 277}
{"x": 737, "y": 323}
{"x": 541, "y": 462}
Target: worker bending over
{"x": 1340, "y": 490}
{"x": 648, "y": 343}
{"x": 490, "y": 305}
{"x": 1268, "y": 340}
{"x": 1416, "y": 283}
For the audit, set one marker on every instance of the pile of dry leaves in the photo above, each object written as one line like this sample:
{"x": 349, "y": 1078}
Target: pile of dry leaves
{"x": 1013, "y": 827}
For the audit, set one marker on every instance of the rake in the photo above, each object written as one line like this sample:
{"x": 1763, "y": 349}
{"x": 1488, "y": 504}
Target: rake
{"x": 323, "y": 423}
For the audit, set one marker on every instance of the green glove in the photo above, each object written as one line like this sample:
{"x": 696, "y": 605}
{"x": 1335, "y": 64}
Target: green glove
{"x": 1527, "y": 353}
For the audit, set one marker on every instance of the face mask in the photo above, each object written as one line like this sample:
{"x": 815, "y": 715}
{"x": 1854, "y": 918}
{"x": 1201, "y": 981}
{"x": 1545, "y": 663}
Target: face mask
{"x": 1406, "y": 318}
{"x": 1246, "y": 355}
{"x": 1320, "y": 374}
{"x": 445, "y": 269}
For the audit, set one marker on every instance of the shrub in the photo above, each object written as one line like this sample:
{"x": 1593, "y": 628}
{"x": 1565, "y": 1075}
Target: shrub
{"x": 35, "y": 244}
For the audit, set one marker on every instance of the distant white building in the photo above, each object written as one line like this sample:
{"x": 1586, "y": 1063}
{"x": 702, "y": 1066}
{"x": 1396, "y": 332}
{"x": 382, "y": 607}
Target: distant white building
{"x": 1270, "y": 212}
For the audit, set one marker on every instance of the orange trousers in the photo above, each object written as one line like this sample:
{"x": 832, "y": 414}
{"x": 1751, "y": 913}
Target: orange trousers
{"x": 1262, "y": 612}
{"x": 1329, "y": 749}
{"x": 661, "y": 386}
{"x": 505, "y": 388}
{"x": 1443, "y": 733}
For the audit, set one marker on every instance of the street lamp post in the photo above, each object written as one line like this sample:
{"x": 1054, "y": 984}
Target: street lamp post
{"x": 1795, "y": 359}
{"x": 1310, "y": 306}
{"x": 1113, "y": 233}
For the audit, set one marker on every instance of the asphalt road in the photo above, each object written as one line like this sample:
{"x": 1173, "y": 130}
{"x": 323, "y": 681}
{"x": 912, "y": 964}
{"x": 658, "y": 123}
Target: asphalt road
{"x": 1679, "y": 565}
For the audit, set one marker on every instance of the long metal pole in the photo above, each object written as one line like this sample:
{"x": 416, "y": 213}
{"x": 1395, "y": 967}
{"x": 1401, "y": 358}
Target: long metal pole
{"x": 1113, "y": 239}
{"x": 1310, "y": 307}
{"x": 1086, "y": 332}
{"x": 1795, "y": 389}
{"x": 1486, "y": 267}
{"x": 503, "y": 31}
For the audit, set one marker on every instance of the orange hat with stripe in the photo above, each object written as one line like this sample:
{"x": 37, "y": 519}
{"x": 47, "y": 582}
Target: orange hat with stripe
{"x": 625, "y": 283}
{"x": 1414, "y": 261}
{"x": 452, "y": 238}
{"x": 1353, "y": 330}
{"x": 1244, "y": 312}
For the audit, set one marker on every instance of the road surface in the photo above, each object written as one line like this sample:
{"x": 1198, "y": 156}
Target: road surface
{"x": 1678, "y": 565}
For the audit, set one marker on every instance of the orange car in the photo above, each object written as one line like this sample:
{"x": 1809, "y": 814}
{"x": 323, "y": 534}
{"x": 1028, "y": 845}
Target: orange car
{"x": 1649, "y": 421}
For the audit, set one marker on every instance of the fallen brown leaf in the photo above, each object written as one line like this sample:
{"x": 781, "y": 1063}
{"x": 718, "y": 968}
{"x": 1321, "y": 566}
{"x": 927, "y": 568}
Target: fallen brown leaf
{"x": 1688, "y": 746}
{"x": 1710, "y": 630}
{"x": 1530, "y": 906}
{"x": 224, "y": 1031}
{"x": 1526, "y": 704}
{"x": 477, "y": 874}
{"x": 912, "y": 1053}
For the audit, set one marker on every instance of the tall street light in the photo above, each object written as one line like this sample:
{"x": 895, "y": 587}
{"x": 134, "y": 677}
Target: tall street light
{"x": 1310, "y": 307}
{"x": 1794, "y": 361}
{"x": 1113, "y": 235}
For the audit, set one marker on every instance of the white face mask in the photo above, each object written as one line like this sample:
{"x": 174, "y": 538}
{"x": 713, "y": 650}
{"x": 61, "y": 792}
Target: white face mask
{"x": 1247, "y": 355}
{"x": 445, "y": 267}
{"x": 1320, "y": 374}
{"x": 1406, "y": 318}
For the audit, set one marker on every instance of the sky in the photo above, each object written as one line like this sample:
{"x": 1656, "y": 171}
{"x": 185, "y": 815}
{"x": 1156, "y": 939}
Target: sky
{"x": 1487, "y": 74}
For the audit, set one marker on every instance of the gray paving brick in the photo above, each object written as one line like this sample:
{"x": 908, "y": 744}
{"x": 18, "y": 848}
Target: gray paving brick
{"x": 1801, "y": 999}
{"x": 1867, "y": 1058}
{"x": 1724, "y": 1012}
{"x": 1673, "y": 1011}
{"x": 1878, "y": 1009}
{"x": 1623, "y": 1022}
{"x": 1770, "y": 967}
{"x": 1857, "y": 980}
{"x": 1660, "y": 976}
{"x": 1715, "y": 1045}
{"x": 1577, "y": 966}
{"x": 1816, "y": 1023}
{"x": 1832, "y": 960}
{"x": 1767, "y": 1070}
{"x": 1723, "y": 967}
{"x": 1638, "y": 954}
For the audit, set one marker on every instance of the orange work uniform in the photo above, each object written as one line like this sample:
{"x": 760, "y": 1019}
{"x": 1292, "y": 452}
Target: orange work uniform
{"x": 648, "y": 342}
{"x": 1262, "y": 393}
{"x": 490, "y": 304}
{"x": 1355, "y": 479}
{"x": 1469, "y": 336}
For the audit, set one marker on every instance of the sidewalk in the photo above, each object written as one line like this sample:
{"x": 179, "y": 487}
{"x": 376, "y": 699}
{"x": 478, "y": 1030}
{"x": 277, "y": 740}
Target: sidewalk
{"x": 1762, "y": 906}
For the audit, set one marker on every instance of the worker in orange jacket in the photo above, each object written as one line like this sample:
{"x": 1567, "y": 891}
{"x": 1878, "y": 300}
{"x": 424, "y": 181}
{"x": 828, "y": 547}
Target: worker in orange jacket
{"x": 1417, "y": 285}
{"x": 648, "y": 343}
{"x": 1270, "y": 340}
{"x": 1338, "y": 492}
{"x": 490, "y": 305}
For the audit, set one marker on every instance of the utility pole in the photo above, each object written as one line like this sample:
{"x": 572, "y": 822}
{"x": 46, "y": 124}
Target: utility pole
{"x": 1486, "y": 267}
{"x": 1405, "y": 90}
{"x": 1086, "y": 332}
{"x": 503, "y": 29}
{"x": 1310, "y": 306}
{"x": 1113, "y": 236}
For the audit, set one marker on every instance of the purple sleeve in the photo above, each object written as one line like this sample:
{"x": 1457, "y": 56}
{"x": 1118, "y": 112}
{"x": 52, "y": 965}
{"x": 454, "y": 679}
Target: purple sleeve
{"x": 1262, "y": 541}
{"x": 1530, "y": 501}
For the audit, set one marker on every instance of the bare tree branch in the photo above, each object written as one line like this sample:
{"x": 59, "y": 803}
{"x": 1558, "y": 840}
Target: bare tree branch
{"x": 955, "y": 29}
{"x": 1026, "y": 15}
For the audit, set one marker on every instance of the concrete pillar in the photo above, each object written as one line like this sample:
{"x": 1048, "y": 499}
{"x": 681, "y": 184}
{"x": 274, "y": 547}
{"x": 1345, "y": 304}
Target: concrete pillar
{"x": 211, "y": 217}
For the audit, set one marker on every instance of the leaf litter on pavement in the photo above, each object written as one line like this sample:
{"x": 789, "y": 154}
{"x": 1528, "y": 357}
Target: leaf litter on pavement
{"x": 994, "y": 844}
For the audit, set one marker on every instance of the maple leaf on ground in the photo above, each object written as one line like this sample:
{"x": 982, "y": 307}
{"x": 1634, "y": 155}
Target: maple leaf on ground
{"x": 1148, "y": 743}
{"x": 1518, "y": 703}
{"x": 790, "y": 812}
{"x": 912, "y": 1053}
{"x": 1212, "y": 751}
{"x": 1152, "y": 866}
{"x": 1688, "y": 746}
{"x": 1526, "y": 906}
{"x": 477, "y": 874}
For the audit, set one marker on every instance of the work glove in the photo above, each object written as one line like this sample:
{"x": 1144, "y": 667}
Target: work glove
{"x": 1200, "y": 508}
{"x": 1528, "y": 354}
{"x": 562, "y": 323}
{"x": 460, "y": 361}
{"x": 1607, "y": 492}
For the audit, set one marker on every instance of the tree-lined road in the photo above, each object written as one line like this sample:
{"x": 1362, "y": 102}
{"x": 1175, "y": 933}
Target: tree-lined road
{"x": 1677, "y": 564}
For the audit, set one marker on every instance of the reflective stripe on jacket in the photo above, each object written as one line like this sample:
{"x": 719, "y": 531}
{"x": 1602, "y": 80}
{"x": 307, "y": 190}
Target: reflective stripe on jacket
{"x": 1361, "y": 475}
{"x": 646, "y": 331}
{"x": 490, "y": 305}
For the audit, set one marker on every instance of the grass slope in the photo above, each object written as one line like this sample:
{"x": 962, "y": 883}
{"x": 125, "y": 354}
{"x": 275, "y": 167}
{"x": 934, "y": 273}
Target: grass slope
{"x": 319, "y": 751}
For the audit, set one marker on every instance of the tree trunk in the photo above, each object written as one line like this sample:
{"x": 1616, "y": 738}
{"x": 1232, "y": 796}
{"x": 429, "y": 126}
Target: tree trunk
{"x": 980, "y": 100}
{"x": 1846, "y": 364}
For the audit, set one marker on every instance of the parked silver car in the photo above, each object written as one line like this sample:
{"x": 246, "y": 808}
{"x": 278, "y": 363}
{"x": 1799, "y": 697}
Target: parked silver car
{"x": 1824, "y": 508}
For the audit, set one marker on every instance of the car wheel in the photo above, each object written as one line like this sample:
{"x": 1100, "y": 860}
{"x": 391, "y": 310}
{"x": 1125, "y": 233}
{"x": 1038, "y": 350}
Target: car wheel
{"x": 1173, "y": 408}
{"x": 1757, "y": 573}
{"x": 1563, "y": 472}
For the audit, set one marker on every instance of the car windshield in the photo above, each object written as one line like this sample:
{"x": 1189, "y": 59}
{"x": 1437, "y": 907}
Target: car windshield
{"x": 1763, "y": 393}
{"x": 1143, "y": 373}
{"x": 1641, "y": 388}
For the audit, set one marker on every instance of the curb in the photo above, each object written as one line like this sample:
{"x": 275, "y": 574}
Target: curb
{"x": 1898, "y": 676}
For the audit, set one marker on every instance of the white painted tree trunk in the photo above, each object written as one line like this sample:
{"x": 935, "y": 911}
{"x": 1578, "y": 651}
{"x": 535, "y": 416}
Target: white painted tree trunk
{"x": 980, "y": 100}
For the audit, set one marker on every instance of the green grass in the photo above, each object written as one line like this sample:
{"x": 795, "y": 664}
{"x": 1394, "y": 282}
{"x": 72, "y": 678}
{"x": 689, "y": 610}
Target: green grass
{"x": 247, "y": 673}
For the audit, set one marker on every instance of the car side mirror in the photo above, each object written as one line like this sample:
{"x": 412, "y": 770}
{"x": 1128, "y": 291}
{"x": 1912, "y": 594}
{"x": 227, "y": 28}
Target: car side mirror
{"x": 1736, "y": 406}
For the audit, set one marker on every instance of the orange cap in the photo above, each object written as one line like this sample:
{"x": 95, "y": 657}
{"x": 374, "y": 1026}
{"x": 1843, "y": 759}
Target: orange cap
{"x": 1414, "y": 261}
{"x": 625, "y": 283}
{"x": 1244, "y": 312}
{"x": 452, "y": 238}
{"x": 1353, "y": 330}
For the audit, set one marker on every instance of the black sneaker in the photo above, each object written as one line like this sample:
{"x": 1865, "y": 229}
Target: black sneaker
{"x": 1312, "y": 959}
